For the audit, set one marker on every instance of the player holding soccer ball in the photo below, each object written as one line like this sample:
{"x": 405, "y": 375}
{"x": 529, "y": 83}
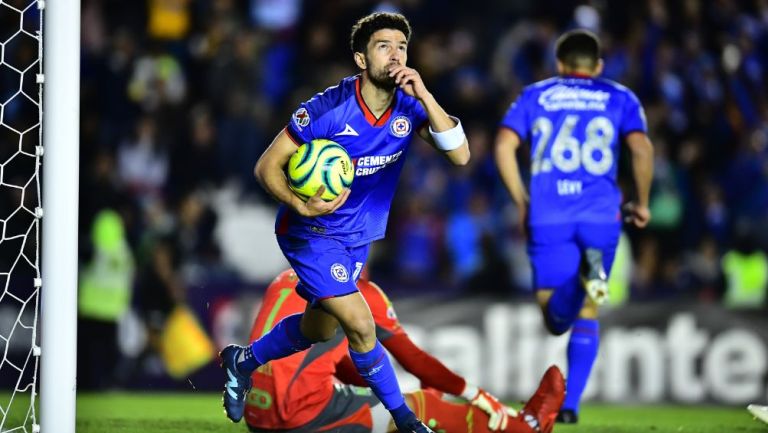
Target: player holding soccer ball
{"x": 300, "y": 394}
{"x": 374, "y": 116}
{"x": 574, "y": 123}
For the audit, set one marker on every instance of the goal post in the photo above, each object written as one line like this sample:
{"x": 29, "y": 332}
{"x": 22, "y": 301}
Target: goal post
{"x": 61, "y": 115}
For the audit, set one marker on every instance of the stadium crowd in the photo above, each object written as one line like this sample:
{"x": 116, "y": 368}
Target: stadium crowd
{"x": 180, "y": 99}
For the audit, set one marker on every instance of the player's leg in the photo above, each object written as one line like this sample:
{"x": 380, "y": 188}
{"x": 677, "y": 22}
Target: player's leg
{"x": 555, "y": 259}
{"x": 370, "y": 358}
{"x": 538, "y": 415}
{"x": 239, "y": 362}
{"x": 313, "y": 261}
{"x": 598, "y": 241}
{"x": 583, "y": 346}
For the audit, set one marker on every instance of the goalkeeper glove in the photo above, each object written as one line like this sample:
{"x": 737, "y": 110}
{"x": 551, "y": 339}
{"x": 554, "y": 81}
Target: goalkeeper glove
{"x": 498, "y": 414}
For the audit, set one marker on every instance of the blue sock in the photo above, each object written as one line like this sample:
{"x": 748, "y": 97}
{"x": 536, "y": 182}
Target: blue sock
{"x": 375, "y": 368}
{"x": 283, "y": 340}
{"x": 582, "y": 351}
{"x": 563, "y": 308}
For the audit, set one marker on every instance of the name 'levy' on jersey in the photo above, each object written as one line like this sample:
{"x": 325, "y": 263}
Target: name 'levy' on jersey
{"x": 574, "y": 125}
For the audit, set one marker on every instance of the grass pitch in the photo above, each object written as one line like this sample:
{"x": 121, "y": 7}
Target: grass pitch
{"x": 202, "y": 413}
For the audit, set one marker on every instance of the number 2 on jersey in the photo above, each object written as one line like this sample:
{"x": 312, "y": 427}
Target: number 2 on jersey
{"x": 566, "y": 153}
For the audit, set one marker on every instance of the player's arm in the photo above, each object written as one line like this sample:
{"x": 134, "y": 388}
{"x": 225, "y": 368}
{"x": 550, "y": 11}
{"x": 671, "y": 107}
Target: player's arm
{"x": 431, "y": 372}
{"x": 505, "y": 154}
{"x": 642, "y": 168}
{"x": 444, "y": 132}
{"x": 269, "y": 172}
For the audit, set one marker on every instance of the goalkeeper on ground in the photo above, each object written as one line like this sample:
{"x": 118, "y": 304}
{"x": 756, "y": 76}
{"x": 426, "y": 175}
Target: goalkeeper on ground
{"x": 320, "y": 390}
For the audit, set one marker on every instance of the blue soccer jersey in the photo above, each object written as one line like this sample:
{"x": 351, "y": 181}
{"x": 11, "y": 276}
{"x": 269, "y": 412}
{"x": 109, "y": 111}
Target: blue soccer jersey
{"x": 377, "y": 147}
{"x": 574, "y": 125}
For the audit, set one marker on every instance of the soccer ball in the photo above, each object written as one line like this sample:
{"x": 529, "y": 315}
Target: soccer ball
{"x": 320, "y": 162}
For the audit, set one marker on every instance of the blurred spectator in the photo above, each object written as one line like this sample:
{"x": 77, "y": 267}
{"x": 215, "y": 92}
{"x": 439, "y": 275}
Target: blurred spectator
{"x": 177, "y": 96}
{"x": 194, "y": 241}
{"x": 169, "y": 19}
{"x": 465, "y": 232}
{"x": 159, "y": 289}
{"x": 158, "y": 80}
{"x": 706, "y": 271}
{"x": 419, "y": 239}
{"x": 142, "y": 163}
{"x": 193, "y": 164}
{"x": 104, "y": 296}
{"x": 746, "y": 270}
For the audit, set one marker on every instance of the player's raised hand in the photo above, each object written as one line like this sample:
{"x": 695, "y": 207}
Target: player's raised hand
{"x": 638, "y": 215}
{"x": 409, "y": 80}
{"x": 498, "y": 416}
{"x": 316, "y": 206}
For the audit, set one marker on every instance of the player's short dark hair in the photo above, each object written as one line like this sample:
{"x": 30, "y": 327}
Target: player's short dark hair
{"x": 578, "y": 49}
{"x": 368, "y": 25}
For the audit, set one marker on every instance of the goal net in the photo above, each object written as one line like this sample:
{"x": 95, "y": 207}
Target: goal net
{"x": 20, "y": 210}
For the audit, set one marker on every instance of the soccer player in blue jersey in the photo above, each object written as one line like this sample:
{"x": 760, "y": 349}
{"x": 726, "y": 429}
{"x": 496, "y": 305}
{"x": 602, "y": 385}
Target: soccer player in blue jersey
{"x": 374, "y": 116}
{"x": 575, "y": 123}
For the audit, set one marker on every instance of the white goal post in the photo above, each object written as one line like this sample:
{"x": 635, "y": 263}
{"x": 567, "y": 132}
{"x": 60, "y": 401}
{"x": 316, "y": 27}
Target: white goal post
{"x": 61, "y": 118}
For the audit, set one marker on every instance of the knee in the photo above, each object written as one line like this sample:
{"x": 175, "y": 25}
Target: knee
{"x": 360, "y": 330}
{"x": 555, "y": 328}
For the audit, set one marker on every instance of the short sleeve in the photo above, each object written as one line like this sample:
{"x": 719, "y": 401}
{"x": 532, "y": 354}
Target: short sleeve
{"x": 633, "y": 116}
{"x": 310, "y": 121}
{"x": 517, "y": 118}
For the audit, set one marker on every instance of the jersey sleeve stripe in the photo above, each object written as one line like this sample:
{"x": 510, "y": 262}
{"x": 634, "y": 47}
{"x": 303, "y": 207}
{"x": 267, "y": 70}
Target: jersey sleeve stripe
{"x": 290, "y": 135}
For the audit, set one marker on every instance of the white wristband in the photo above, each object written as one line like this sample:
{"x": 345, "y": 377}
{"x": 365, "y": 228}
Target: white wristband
{"x": 449, "y": 139}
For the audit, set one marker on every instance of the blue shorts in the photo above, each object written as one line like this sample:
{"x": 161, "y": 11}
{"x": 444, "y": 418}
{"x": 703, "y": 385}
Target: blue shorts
{"x": 556, "y": 251}
{"x": 326, "y": 268}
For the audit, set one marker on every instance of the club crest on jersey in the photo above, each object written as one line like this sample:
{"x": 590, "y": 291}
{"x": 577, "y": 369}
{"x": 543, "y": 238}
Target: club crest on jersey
{"x": 301, "y": 117}
{"x": 400, "y": 126}
{"x": 339, "y": 273}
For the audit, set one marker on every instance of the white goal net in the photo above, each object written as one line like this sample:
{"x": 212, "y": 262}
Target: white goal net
{"x": 20, "y": 210}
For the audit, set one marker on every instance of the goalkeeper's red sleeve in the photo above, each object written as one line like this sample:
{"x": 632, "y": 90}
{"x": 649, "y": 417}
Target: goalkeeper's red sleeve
{"x": 347, "y": 372}
{"x": 453, "y": 417}
{"x": 431, "y": 372}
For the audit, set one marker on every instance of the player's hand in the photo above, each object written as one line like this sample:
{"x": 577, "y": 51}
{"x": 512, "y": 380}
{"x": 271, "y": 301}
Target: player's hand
{"x": 316, "y": 206}
{"x": 410, "y": 81}
{"x": 498, "y": 416}
{"x": 638, "y": 215}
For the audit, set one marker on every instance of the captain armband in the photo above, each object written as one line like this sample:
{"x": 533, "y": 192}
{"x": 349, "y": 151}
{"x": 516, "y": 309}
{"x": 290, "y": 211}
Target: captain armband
{"x": 449, "y": 139}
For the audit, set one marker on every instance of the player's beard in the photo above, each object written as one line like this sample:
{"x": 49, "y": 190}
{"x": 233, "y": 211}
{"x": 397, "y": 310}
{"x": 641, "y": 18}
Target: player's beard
{"x": 381, "y": 79}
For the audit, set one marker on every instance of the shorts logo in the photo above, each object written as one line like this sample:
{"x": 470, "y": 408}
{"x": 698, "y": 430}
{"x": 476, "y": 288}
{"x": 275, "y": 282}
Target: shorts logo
{"x": 400, "y": 126}
{"x": 339, "y": 273}
{"x": 301, "y": 117}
